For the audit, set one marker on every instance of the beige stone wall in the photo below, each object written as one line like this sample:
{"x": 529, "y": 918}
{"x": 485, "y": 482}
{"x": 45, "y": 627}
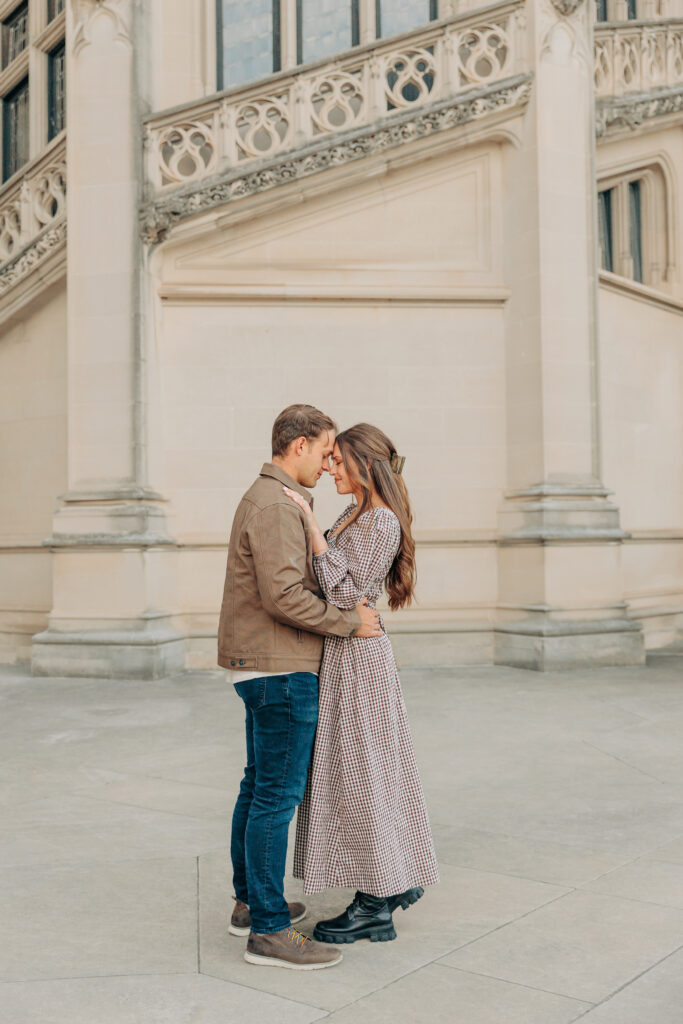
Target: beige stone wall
{"x": 32, "y": 464}
{"x": 404, "y": 330}
{"x": 641, "y": 395}
{"x": 641, "y": 358}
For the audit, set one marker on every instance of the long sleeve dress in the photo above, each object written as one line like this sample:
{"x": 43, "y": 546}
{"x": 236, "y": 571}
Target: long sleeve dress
{"x": 363, "y": 821}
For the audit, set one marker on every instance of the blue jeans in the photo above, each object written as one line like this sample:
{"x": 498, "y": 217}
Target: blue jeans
{"x": 282, "y": 714}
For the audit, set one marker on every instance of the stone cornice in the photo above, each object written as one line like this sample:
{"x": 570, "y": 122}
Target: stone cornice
{"x": 507, "y": 96}
{"x": 630, "y": 112}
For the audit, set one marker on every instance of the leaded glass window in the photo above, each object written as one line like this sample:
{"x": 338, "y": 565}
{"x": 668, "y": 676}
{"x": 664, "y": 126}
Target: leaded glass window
{"x": 15, "y": 34}
{"x": 635, "y": 229}
{"x": 249, "y": 40}
{"x": 56, "y": 62}
{"x": 15, "y": 130}
{"x": 326, "y": 27}
{"x": 605, "y": 230}
{"x": 394, "y": 16}
{"x": 54, "y": 7}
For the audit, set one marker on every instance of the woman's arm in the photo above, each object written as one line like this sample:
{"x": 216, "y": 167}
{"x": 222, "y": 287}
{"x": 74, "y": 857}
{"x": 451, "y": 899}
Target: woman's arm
{"x": 346, "y": 573}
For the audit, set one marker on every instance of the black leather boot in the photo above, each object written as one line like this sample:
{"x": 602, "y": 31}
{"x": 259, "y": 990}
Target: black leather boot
{"x": 405, "y": 899}
{"x": 367, "y": 917}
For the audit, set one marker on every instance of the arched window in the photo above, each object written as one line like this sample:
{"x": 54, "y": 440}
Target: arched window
{"x": 635, "y": 224}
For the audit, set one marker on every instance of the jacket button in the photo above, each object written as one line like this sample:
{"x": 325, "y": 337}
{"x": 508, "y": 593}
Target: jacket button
{"x": 241, "y": 661}
{"x": 232, "y": 662}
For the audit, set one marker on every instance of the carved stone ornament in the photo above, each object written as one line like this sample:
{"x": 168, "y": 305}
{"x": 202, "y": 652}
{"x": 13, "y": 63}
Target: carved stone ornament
{"x": 566, "y": 7}
{"x": 624, "y": 113}
{"x": 85, "y": 13}
{"x": 157, "y": 218}
{"x": 42, "y": 247}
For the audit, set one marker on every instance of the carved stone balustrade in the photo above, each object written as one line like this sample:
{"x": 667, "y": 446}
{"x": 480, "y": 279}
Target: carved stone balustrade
{"x": 638, "y": 56}
{"x": 33, "y": 216}
{"x": 638, "y": 72}
{"x": 245, "y": 128}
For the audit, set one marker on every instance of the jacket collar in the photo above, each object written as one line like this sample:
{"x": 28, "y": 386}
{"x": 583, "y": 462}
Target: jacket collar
{"x": 268, "y": 469}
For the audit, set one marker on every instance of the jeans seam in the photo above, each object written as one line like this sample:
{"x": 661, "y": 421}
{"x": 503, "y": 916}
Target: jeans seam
{"x": 282, "y": 786}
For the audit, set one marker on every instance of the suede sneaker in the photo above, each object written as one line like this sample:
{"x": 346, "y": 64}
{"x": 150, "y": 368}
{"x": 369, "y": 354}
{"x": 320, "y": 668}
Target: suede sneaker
{"x": 240, "y": 922}
{"x": 289, "y": 948}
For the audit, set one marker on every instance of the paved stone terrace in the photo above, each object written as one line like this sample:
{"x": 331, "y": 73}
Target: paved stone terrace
{"x": 557, "y": 809}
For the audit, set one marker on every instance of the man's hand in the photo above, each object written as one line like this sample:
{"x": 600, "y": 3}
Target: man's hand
{"x": 369, "y": 621}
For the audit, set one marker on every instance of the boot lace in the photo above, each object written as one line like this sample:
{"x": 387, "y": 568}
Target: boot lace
{"x": 296, "y": 936}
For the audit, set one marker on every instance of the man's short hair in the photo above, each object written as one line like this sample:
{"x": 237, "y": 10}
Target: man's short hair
{"x": 299, "y": 421}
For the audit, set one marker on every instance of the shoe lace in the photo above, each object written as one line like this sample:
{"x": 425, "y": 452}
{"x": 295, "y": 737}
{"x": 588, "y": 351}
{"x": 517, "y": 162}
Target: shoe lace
{"x": 296, "y": 936}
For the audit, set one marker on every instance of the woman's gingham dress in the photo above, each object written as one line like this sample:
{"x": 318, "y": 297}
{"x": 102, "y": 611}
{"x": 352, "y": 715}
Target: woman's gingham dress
{"x": 363, "y": 821}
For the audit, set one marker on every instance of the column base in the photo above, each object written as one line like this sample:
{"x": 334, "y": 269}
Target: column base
{"x": 569, "y": 645}
{"x": 125, "y": 650}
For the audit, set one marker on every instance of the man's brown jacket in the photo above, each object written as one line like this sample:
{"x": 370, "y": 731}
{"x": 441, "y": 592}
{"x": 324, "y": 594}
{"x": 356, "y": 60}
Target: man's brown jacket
{"x": 273, "y": 616}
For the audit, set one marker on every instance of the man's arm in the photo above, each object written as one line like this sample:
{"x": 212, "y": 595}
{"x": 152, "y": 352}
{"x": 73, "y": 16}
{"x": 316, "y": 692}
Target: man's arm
{"x": 278, "y": 546}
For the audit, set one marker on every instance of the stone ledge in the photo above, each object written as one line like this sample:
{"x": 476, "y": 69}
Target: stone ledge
{"x": 634, "y": 109}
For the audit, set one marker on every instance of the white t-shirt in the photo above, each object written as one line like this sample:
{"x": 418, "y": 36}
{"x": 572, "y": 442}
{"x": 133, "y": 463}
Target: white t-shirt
{"x": 241, "y": 677}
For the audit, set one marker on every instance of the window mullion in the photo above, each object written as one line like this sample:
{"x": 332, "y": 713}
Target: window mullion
{"x": 37, "y": 101}
{"x": 367, "y": 19}
{"x": 288, "y": 34}
{"x": 621, "y": 231}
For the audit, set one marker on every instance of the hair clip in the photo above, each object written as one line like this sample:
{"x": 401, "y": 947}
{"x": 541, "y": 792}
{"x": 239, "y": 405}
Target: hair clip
{"x": 397, "y": 463}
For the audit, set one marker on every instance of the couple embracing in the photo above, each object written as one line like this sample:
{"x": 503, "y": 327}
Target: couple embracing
{"x": 326, "y": 726}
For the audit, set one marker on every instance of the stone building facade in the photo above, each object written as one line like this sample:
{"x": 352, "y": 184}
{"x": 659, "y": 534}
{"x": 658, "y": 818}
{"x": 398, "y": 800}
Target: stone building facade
{"x": 463, "y": 223}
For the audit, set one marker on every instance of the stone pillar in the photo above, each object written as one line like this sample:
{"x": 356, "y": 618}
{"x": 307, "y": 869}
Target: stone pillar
{"x": 111, "y": 555}
{"x": 560, "y": 589}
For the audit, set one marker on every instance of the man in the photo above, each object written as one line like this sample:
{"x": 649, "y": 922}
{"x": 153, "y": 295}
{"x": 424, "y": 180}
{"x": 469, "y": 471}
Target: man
{"x": 270, "y": 637}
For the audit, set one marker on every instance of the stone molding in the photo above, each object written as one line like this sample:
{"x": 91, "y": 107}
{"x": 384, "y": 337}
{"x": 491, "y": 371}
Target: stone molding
{"x": 33, "y": 255}
{"x": 566, "y": 7}
{"x": 631, "y": 112}
{"x": 507, "y": 96}
{"x": 87, "y": 11}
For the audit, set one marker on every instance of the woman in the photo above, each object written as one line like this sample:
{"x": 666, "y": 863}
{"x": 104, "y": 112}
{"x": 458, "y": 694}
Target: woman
{"x": 363, "y": 821}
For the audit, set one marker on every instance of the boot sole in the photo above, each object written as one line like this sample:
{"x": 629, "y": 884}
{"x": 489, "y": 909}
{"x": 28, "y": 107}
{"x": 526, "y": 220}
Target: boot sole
{"x": 410, "y": 899}
{"x": 271, "y": 961}
{"x": 234, "y": 930}
{"x": 384, "y": 934}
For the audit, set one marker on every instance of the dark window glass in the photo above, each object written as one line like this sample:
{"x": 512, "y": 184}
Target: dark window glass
{"x": 395, "y": 16}
{"x": 631, "y": 6}
{"x": 14, "y": 34}
{"x": 635, "y": 229}
{"x": 605, "y": 229}
{"x": 54, "y": 7}
{"x": 326, "y": 27}
{"x": 601, "y": 10}
{"x": 249, "y": 40}
{"x": 15, "y": 130}
{"x": 56, "y": 107}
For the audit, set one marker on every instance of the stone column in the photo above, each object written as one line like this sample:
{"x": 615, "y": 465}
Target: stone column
{"x": 561, "y": 595}
{"x": 111, "y": 562}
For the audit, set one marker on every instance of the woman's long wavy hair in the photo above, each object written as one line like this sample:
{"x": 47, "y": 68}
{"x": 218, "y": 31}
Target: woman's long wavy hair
{"x": 367, "y": 454}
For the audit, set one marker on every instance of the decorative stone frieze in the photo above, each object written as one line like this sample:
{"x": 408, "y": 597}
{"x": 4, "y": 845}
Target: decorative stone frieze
{"x": 33, "y": 217}
{"x": 633, "y": 111}
{"x": 42, "y": 247}
{"x": 160, "y": 215}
